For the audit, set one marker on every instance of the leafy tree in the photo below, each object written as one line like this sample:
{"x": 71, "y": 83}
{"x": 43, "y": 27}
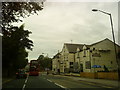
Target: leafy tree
{"x": 15, "y": 39}
{"x": 14, "y": 50}
{"x": 13, "y": 11}
{"x": 41, "y": 57}
{"x": 45, "y": 62}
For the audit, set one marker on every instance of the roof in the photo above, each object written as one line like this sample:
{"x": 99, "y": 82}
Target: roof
{"x": 57, "y": 55}
{"x": 73, "y": 47}
{"x": 99, "y": 42}
{"x": 102, "y": 41}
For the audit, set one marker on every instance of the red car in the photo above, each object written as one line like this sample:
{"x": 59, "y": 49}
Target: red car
{"x": 21, "y": 73}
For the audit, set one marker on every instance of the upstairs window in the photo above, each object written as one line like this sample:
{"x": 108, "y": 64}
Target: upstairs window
{"x": 71, "y": 63}
{"x": 111, "y": 62}
{"x": 84, "y": 53}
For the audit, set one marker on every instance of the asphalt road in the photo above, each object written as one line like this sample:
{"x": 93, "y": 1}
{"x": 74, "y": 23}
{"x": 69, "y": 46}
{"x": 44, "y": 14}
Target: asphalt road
{"x": 57, "y": 82}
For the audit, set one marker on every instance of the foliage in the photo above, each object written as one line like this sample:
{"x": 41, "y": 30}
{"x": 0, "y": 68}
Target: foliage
{"x": 14, "y": 47}
{"x": 13, "y": 11}
{"x": 41, "y": 57}
{"x": 45, "y": 62}
{"x": 15, "y": 39}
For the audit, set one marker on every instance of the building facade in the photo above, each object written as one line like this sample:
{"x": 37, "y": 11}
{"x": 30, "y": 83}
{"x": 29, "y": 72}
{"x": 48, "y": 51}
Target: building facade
{"x": 96, "y": 57}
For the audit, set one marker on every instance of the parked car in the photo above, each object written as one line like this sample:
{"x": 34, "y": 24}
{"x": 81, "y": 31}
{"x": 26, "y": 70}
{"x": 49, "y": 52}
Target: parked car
{"x": 21, "y": 73}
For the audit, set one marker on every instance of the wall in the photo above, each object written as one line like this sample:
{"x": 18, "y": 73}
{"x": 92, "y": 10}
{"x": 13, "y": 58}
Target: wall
{"x": 108, "y": 75}
{"x": 100, "y": 75}
{"x": 106, "y": 57}
{"x": 88, "y": 75}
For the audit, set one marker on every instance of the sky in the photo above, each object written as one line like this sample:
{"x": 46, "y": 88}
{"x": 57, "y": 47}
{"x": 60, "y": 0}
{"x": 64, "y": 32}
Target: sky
{"x": 70, "y": 22}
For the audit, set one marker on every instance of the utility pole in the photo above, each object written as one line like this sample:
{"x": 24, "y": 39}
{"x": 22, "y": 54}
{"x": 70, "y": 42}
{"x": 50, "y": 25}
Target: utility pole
{"x": 118, "y": 69}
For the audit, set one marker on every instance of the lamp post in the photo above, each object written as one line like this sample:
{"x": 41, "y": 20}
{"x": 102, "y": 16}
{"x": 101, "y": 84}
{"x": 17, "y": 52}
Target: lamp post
{"x": 95, "y": 10}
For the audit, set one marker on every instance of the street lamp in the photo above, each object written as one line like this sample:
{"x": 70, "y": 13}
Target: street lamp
{"x": 95, "y": 10}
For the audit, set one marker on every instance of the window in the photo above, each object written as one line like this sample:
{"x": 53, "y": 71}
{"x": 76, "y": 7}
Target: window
{"x": 71, "y": 64}
{"x": 84, "y": 52}
{"x": 88, "y": 65}
{"x": 78, "y": 56}
{"x": 93, "y": 49}
{"x": 111, "y": 62}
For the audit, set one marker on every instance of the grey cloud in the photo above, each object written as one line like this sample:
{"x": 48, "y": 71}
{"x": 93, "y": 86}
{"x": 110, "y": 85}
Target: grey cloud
{"x": 58, "y": 23}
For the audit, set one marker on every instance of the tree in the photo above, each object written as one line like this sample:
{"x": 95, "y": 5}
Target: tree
{"x": 14, "y": 50}
{"x": 45, "y": 62}
{"x": 15, "y": 39}
{"x": 13, "y": 11}
{"x": 41, "y": 57}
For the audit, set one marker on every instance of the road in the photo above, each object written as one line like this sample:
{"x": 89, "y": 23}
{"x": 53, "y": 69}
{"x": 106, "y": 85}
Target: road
{"x": 57, "y": 82}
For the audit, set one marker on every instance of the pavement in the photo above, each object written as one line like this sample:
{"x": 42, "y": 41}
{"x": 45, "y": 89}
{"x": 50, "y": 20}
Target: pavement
{"x": 114, "y": 83}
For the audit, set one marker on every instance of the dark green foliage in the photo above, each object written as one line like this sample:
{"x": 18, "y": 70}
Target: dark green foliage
{"x": 15, "y": 39}
{"x": 41, "y": 57}
{"x": 45, "y": 62}
{"x": 14, "y": 48}
{"x": 13, "y": 11}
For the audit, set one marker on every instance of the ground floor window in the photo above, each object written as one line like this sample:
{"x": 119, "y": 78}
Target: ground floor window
{"x": 71, "y": 64}
{"x": 88, "y": 65}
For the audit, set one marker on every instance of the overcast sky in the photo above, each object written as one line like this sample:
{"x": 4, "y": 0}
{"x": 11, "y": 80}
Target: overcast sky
{"x": 61, "y": 22}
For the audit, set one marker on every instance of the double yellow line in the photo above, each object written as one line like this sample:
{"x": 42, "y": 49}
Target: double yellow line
{"x": 7, "y": 81}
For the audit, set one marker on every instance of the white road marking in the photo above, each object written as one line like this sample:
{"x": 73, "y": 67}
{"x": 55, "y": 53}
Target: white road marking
{"x": 49, "y": 80}
{"x": 60, "y": 85}
{"x": 26, "y": 79}
{"x": 25, "y": 83}
{"x": 23, "y": 87}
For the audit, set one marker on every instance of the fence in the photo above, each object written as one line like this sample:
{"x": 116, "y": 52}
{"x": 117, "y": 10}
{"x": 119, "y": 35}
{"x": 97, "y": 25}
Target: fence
{"x": 100, "y": 75}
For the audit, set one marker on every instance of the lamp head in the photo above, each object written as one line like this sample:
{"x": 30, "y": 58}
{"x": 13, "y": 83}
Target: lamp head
{"x": 94, "y": 10}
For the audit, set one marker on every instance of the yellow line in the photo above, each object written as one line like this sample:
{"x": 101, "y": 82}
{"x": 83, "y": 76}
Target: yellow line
{"x": 7, "y": 81}
{"x": 106, "y": 86}
{"x": 91, "y": 83}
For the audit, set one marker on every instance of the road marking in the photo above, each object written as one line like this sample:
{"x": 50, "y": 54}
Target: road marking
{"x": 7, "y": 81}
{"x": 23, "y": 87}
{"x": 106, "y": 87}
{"x": 26, "y": 79}
{"x": 60, "y": 85}
{"x": 25, "y": 83}
{"x": 49, "y": 80}
{"x": 90, "y": 83}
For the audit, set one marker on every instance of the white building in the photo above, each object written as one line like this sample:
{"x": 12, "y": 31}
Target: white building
{"x": 84, "y": 58}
